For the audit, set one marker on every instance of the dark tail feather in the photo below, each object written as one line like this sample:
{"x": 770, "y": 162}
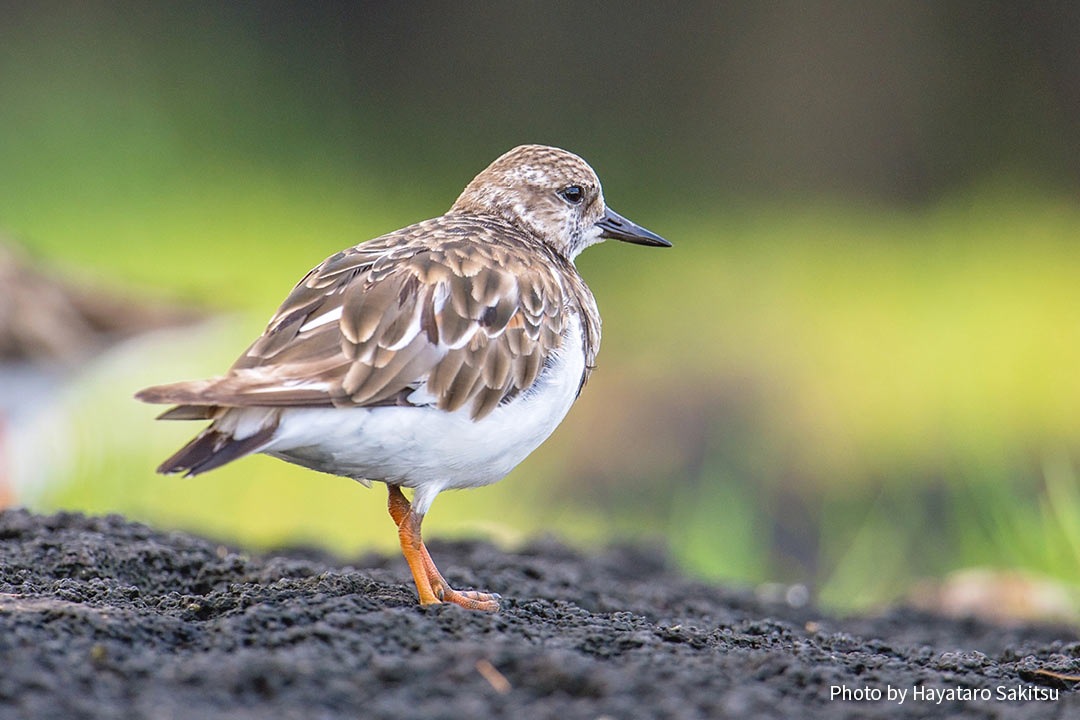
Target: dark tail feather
{"x": 211, "y": 449}
{"x": 191, "y": 412}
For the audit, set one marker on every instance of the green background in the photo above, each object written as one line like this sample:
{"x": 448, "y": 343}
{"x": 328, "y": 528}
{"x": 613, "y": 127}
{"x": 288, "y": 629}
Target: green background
{"x": 858, "y": 366}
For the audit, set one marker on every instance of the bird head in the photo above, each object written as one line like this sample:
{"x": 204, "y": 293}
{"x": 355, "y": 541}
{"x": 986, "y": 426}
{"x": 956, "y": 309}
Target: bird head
{"x": 553, "y": 194}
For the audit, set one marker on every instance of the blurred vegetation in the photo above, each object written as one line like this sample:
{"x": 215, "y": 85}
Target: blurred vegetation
{"x": 857, "y": 367}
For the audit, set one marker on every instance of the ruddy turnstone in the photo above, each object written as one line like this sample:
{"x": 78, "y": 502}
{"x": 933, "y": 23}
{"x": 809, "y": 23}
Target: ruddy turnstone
{"x": 434, "y": 357}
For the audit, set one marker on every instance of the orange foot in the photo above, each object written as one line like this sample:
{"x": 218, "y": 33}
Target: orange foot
{"x": 430, "y": 584}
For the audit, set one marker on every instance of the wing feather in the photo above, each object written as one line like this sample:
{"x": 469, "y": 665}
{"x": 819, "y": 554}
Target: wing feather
{"x": 461, "y": 388}
{"x": 471, "y": 324}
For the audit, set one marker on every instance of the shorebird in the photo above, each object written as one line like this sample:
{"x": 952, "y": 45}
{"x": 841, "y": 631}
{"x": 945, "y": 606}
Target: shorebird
{"x": 434, "y": 357}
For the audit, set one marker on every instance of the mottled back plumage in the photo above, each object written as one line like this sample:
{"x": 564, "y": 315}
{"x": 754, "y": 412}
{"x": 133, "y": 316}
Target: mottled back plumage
{"x": 423, "y": 315}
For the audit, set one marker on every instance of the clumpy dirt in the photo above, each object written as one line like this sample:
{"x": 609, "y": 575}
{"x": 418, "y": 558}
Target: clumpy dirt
{"x": 102, "y": 618}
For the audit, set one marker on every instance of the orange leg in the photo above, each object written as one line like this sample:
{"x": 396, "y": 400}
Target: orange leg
{"x": 430, "y": 584}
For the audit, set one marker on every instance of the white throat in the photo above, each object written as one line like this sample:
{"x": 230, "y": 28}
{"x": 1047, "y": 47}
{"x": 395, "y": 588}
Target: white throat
{"x": 588, "y": 239}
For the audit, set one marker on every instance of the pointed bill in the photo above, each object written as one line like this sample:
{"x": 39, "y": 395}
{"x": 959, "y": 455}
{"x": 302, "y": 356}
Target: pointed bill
{"x": 615, "y": 226}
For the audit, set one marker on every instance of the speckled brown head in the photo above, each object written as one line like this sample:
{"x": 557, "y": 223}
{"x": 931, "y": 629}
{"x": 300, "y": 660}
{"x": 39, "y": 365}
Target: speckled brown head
{"x": 553, "y": 194}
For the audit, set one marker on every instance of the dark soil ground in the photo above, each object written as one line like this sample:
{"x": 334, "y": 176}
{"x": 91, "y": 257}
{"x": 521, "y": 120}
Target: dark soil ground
{"x": 101, "y": 618}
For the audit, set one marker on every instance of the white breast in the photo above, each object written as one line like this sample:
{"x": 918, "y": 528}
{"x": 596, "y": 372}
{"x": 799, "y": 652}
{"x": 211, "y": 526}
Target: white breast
{"x": 430, "y": 449}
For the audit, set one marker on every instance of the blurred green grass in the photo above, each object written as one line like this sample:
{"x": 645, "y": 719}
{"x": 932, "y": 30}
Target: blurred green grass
{"x": 909, "y": 372}
{"x": 812, "y": 390}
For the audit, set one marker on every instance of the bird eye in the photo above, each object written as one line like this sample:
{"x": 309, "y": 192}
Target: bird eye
{"x": 572, "y": 194}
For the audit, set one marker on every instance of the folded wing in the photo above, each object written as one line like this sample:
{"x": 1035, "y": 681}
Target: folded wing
{"x": 456, "y": 324}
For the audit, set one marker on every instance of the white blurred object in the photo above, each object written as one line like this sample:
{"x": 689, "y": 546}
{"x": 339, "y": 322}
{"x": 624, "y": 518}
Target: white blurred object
{"x": 998, "y": 596}
{"x": 51, "y": 332}
{"x": 79, "y": 416}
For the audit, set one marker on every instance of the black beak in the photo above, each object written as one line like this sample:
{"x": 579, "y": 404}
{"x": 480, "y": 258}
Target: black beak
{"x": 615, "y": 226}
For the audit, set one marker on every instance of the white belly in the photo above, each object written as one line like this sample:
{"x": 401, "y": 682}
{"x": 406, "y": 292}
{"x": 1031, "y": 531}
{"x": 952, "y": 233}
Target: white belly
{"x": 431, "y": 449}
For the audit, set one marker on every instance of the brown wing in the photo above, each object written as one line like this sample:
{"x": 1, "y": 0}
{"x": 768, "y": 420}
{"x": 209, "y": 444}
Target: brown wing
{"x": 399, "y": 321}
